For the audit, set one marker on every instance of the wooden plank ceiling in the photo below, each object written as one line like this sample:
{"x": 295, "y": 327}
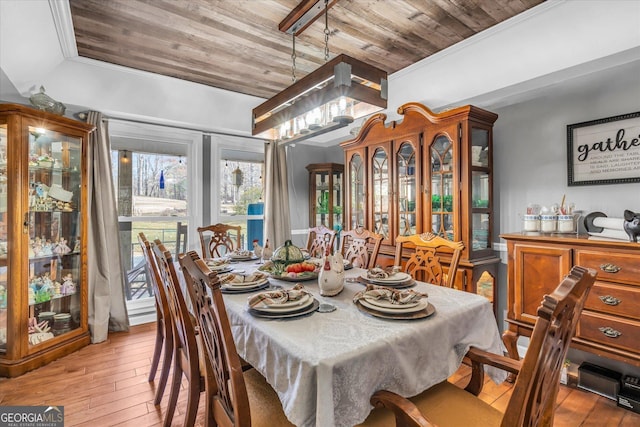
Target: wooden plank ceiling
{"x": 236, "y": 45}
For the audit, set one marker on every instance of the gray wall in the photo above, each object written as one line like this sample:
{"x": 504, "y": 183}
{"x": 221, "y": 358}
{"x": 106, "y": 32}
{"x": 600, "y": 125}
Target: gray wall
{"x": 530, "y": 158}
{"x": 298, "y": 158}
{"x": 530, "y": 146}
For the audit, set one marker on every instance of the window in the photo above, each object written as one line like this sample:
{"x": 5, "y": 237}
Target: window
{"x": 241, "y": 201}
{"x": 145, "y": 158}
{"x": 152, "y": 199}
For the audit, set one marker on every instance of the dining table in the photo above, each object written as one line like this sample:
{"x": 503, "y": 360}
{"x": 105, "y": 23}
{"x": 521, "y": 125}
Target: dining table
{"x": 325, "y": 366}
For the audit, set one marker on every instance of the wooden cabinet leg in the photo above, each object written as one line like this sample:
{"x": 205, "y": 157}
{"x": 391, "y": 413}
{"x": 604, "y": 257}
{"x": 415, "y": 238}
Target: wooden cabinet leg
{"x": 510, "y": 340}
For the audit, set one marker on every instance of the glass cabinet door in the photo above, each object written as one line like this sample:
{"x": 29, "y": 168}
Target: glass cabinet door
{"x": 336, "y": 200}
{"x": 356, "y": 191}
{"x": 442, "y": 187}
{"x": 407, "y": 190}
{"x": 380, "y": 192}
{"x": 325, "y": 195}
{"x": 4, "y": 266}
{"x": 54, "y": 233}
{"x": 480, "y": 189}
{"x": 322, "y": 198}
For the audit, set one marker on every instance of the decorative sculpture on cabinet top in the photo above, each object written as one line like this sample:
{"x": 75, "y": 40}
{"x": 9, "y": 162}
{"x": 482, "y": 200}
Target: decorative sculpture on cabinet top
{"x": 632, "y": 225}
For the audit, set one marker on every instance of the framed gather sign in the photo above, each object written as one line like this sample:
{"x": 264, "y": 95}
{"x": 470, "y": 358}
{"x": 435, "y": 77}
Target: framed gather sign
{"x": 604, "y": 151}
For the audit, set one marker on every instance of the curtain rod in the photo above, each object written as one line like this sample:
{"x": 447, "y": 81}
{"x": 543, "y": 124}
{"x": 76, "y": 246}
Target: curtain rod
{"x": 83, "y": 116}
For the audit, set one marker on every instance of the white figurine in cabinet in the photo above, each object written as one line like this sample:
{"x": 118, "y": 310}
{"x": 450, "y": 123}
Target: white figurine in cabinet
{"x": 62, "y": 248}
{"x": 68, "y": 287}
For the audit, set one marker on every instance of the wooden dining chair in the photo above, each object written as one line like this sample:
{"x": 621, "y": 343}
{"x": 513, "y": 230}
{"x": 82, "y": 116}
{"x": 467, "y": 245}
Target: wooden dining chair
{"x": 182, "y": 232}
{"x": 319, "y": 238}
{"x": 425, "y": 262}
{"x": 360, "y": 247}
{"x": 186, "y": 359}
{"x": 533, "y": 399}
{"x": 164, "y": 327}
{"x": 241, "y": 398}
{"x": 216, "y": 240}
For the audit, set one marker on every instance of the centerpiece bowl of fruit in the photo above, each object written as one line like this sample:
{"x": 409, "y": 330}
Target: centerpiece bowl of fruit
{"x": 287, "y": 263}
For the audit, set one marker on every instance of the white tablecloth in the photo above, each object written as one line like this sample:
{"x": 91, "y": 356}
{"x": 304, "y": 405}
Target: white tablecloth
{"x": 326, "y": 366}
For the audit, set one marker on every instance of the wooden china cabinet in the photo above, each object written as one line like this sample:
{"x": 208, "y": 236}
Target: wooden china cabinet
{"x": 43, "y": 232}
{"x": 428, "y": 172}
{"x": 326, "y": 195}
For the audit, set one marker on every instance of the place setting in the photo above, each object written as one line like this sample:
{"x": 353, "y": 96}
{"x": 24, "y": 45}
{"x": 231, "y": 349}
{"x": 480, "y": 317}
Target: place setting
{"x": 241, "y": 255}
{"x": 234, "y": 283}
{"x": 319, "y": 262}
{"x": 219, "y": 265}
{"x": 282, "y": 303}
{"x": 390, "y": 277}
{"x": 390, "y": 303}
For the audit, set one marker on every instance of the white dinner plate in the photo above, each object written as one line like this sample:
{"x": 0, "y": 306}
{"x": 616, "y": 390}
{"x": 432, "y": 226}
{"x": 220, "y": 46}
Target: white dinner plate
{"x": 422, "y": 304}
{"x": 244, "y": 289}
{"x": 246, "y": 284}
{"x": 288, "y": 314}
{"x": 385, "y": 303}
{"x": 286, "y": 307}
{"x": 394, "y": 278}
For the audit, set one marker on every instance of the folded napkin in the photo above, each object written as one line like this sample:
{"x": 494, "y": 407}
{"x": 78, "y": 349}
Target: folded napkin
{"x": 394, "y": 296}
{"x": 215, "y": 262}
{"x": 278, "y": 297}
{"x": 242, "y": 278}
{"x": 382, "y": 273}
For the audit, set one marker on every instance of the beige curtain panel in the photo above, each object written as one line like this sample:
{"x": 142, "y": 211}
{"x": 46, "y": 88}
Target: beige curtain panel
{"x": 107, "y": 307}
{"x": 277, "y": 222}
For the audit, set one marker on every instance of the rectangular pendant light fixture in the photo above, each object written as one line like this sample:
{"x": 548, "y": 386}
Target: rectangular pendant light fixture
{"x": 340, "y": 91}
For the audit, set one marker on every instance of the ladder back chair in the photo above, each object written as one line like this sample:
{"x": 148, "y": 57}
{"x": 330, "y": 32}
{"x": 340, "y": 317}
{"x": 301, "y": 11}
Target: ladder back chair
{"x": 186, "y": 358}
{"x": 360, "y": 247}
{"x": 533, "y": 400}
{"x": 240, "y": 399}
{"x": 164, "y": 326}
{"x": 425, "y": 262}
{"x": 216, "y": 240}
{"x": 182, "y": 232}
{"x": 319, "y": 239}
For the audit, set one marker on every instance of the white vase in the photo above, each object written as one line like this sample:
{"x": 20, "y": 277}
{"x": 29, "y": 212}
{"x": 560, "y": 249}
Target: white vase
{"x": 331, "y": 276}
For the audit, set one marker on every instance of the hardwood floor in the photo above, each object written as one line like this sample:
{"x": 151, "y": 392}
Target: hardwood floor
{"x": 106, "y": 384}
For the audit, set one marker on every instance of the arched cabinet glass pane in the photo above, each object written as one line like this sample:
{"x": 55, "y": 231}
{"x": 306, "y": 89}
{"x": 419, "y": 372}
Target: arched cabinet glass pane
{"x": 380, "y": 188}
{"x": 407, "y": 193}
{"x": 442, "y": 212}
{"x": 356, "y": 182}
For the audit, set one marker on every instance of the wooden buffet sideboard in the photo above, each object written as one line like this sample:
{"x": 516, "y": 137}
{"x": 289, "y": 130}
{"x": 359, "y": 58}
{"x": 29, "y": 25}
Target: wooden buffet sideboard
{"x": 610, "y": 323}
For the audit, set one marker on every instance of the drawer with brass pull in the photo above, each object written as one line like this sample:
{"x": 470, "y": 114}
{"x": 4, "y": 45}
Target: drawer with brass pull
{"x": 619, "y": 300}
{"x": 621, "y": 267}
{"x": 610, "y": 331}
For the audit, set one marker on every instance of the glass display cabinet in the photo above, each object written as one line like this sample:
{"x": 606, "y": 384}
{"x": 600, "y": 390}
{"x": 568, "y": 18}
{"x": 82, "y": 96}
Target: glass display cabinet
{"x": 326, "y": 195}
{"x": 43, "y": 231}
{"x": 429, "y": 172}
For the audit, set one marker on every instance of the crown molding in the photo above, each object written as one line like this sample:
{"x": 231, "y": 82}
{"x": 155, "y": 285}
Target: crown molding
{"x": 61, "y": 12}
